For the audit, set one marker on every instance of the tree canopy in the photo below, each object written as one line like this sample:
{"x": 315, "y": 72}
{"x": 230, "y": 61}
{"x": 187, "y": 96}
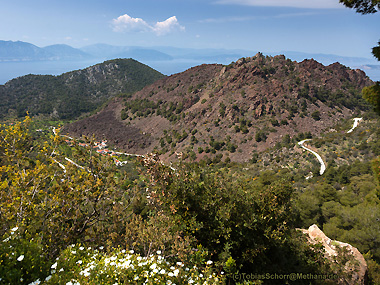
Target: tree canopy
{"x": 362, "y": 6}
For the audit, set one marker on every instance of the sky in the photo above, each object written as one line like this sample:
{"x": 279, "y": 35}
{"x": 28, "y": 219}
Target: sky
{"x": 312, "y": 26}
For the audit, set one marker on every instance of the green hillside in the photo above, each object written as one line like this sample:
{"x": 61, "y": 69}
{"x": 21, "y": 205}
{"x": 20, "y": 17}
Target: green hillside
{"x": 71, "y": 94}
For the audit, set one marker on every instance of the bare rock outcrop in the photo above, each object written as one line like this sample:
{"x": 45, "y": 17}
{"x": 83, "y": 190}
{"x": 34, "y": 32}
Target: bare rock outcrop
{"x": 355, "y": 265}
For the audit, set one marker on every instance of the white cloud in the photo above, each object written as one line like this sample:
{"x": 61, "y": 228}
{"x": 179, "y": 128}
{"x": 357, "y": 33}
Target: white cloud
{"x": 167, "y": 26}
{"x": 312, "y": 4}
{"x": 125, "y": 23}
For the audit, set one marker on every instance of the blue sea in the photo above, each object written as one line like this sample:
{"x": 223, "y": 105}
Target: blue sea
{"x": 10, "y": 70}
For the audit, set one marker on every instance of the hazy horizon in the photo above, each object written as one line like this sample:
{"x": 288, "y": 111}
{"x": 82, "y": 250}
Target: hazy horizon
{"x": 310, "y": 26}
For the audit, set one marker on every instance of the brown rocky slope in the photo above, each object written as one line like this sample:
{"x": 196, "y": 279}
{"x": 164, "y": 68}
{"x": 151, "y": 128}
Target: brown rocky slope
{"x": 229, "y": 111}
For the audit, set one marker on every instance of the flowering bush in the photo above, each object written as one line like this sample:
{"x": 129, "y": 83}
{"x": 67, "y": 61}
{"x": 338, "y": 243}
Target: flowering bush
{"x": 80, "y": 265}
{"x": 21, "y": 260}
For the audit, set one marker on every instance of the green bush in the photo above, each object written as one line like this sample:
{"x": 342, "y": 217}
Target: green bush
{"x": 230, "y": 216}
{"x": 22, "y": 260}
{"x": 78, "y": 264}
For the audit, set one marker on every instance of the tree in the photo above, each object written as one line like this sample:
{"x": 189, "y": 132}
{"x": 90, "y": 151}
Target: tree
{"x": 316, "y": 115}
{"x": 362, "y": 6}
{"x": 376, "y": 51}
{"x": 365, "y": 7}
{"x": 46, "y": 196}
{"x": 372, "y": 95}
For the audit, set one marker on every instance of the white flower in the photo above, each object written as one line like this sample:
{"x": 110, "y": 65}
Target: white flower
{"x": 14, "y": 229}
{"x": 48, "y": 278}
{"x": 209, "y": 262}
{"x": 153, "y": 266}
{"x": 61, "y": 270}
{"x": 158, "y": 252}
{"x": 171, "y": 274}
{"x": 79, "y": 262}
{"x": 131, "y": 251}
{"x": 162, "y": 271}
{"x": 201, "y": 275}
{"x": 179, "y": 263}
{"x": 101, "y": 247}
{"x": 81, "y": 248}
{"x": 20, "y": 258}
{"x": 54, "y": 266}
{"x": 176, "y": 272}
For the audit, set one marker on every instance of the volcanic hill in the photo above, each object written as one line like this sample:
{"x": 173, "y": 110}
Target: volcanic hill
{"x": 227, "y": 112}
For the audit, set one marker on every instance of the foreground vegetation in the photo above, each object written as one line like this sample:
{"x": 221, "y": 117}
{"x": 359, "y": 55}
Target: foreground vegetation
{"x": 145, "y": 223}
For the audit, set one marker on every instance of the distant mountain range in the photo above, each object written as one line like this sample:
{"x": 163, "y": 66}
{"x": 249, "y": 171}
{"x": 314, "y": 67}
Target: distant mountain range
{"x": 23, "y": 51}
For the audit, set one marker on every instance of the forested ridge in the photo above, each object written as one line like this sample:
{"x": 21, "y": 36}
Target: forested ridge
{"x": 72, "y": 94}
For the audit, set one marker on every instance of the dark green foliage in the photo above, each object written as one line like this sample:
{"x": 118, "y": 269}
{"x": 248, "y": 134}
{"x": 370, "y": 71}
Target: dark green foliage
{"x": 22, "y": 260}
{"x": 316, "y": 115}
{"x": 255, "y": 157}
{"x": 362, "y": 6}
{"x": 376, "y": 51}
{"x": 261, "y": 135}
{"x": 348, "y": 215}
{"x": 231, "y": 147}
{"x": 249, "y": 224}
{"x": 217, "y": 145}
{"x": 284, "y": 122}
{"x": 339, "y": 99}
{"x": 71, "y": 94}
{"x": 145, "y": 107}
{"x": 372, "y": 95}
{"x": 274, "y": 123}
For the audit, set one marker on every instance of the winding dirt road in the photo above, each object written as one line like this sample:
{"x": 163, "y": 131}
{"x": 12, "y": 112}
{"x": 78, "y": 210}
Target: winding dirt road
{"x": 323, "y": 165}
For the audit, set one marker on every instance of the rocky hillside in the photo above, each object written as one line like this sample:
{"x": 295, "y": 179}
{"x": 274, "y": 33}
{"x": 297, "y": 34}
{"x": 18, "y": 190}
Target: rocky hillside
{"x": 227, "y": 112}
{"x": 71, "y": 94}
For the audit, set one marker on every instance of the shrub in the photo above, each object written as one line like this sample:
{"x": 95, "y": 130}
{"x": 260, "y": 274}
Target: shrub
{"x": 316, "y": 115}
{"x": 230, "y": 216}
{"x": 78, "y": 264}
{"x": 22, "y": 260}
